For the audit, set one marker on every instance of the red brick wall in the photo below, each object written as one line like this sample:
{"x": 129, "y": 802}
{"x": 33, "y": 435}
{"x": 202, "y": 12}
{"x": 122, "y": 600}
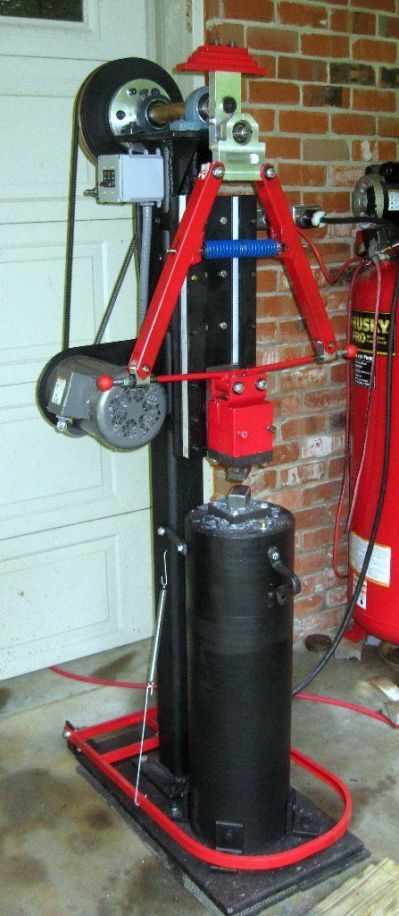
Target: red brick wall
{"x": 326, "y": 109}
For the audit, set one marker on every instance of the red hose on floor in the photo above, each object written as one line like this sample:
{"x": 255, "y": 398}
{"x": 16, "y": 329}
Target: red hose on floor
{"x": 81, "y": 739}
{"x": 363, "y": 710}
{"x": 353, "y": 707}
{"x": 96, "y": 680}
{"x": 199, "y": 850}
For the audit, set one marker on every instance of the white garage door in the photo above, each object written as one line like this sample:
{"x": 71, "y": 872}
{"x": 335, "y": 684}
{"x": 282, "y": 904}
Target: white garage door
{"x": 75, "y": 547}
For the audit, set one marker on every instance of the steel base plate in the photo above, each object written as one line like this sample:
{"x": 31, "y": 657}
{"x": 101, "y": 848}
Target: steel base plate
{"x": 232, "y": 892}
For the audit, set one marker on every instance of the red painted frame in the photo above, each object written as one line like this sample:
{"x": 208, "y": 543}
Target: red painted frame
{"x": 105, "y": 763}
{"x": 186, "y": 250}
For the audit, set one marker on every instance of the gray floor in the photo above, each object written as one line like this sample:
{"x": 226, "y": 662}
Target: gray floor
{"x": 65, "y": 851}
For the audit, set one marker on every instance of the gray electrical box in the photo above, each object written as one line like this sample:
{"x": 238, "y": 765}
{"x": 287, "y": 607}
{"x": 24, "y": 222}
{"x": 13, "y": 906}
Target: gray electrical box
{"x": 126, "y": 179}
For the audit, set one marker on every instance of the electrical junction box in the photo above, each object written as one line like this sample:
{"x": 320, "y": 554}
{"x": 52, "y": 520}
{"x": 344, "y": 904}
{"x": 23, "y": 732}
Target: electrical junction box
{"x": 126, "y": 179}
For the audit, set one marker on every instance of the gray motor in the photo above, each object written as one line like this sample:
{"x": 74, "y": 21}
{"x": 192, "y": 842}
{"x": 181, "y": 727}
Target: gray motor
{"x": 123, "y": 417}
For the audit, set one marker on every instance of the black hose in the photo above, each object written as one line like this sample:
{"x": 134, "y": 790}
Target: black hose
{"x": 380, "y": 501}
{"x": 337, "y": 220}
{"x": 73, "y": 172}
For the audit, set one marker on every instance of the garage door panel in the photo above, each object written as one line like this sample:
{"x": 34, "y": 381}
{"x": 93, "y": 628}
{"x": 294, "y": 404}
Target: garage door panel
{"x": 69, "y": 593}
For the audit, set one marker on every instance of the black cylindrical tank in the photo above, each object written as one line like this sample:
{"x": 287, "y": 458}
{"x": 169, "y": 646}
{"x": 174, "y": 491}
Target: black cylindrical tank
{"x": 239, "y": 604}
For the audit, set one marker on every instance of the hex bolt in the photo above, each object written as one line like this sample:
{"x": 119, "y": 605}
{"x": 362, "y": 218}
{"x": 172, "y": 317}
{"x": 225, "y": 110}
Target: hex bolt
{"x": 261, "y": 384}
{"x": 270, "y": 172}
{"x": 145, "y": 368}
{"x": 242, "y": 434}
{"x": 223, "y": 220}
{"x": 271, "y": 429}
{"x": 223, "y": 325}
{"x": 238, "y": 387}
{"x": 222, "y": 274}
{"x": 218, "y": 171}
{"x": 194, "y": 277}
{"x": 62, "y": 425}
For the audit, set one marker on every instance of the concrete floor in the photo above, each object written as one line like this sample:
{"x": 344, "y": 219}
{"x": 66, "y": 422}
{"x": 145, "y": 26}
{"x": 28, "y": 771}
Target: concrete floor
{"x": 65, "y": 851}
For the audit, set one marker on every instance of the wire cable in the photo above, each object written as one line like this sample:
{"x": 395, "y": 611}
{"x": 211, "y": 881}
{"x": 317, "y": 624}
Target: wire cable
{"x": 73, "y": 174}
{"x": 330, "y": 278}
{"x": 345, "y": 475}
{"x": 116, "y": 290}
{"x": 369, "y": 398}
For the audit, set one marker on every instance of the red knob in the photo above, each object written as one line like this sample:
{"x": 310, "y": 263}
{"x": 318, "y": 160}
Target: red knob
{"x": 104, "y": 382}
{"x": 351, "y": 351}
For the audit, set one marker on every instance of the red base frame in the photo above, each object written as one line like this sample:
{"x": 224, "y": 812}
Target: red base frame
{"x": 105, "y": 763}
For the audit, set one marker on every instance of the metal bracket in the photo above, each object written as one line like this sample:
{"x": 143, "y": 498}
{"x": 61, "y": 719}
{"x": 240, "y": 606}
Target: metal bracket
{"x": 174, "y": 539}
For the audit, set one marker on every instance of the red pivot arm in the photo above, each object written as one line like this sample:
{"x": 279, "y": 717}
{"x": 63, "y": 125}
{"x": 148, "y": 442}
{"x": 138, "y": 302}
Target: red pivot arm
{"x": 185, "y": 251}
{"x": 305, "y": 288}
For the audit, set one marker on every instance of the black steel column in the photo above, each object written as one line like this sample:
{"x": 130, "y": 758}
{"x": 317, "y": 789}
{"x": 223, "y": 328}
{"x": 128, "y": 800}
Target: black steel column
{"x": 177, "y": 488}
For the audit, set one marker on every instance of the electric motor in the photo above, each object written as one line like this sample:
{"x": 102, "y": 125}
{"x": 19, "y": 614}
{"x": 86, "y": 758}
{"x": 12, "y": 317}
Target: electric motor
{"x": 376, "y": 194}
{"x": 123, "y": 417}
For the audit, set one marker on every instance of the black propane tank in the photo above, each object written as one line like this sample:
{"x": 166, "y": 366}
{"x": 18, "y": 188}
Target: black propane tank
{"x": 240, "y": 587}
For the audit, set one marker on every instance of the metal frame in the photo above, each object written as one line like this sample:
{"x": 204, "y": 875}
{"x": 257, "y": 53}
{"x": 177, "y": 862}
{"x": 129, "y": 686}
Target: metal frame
{"x": 107, "y": 761}
{"x": 186, "y": 250}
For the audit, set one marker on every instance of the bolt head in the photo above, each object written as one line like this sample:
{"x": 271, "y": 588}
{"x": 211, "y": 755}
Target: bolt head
{"x": 218, "y": 171}
{"x": 238, "y": 387}
{"x": 223, "y": 325}
{"x": 261, "y": 384}
{"x": 270, "y": 172}
{"x": 145, "y": 368}
{"x": 229, "y": 104}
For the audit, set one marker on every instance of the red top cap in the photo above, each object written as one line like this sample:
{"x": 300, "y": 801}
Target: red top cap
{"x": 222, "y": 57}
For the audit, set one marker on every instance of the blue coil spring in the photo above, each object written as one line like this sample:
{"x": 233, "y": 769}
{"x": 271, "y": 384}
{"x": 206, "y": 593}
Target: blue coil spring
{"x": 241, "y": 248}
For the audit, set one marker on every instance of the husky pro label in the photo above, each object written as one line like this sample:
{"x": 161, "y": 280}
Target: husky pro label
{"x": 363, "y": 331}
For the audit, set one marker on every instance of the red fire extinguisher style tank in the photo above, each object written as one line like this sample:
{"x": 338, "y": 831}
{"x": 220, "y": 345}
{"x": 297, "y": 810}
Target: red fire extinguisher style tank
{"x": 377, "y": 609}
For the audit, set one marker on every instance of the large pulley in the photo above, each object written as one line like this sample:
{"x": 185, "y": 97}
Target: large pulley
{"x": 116, "y": 102}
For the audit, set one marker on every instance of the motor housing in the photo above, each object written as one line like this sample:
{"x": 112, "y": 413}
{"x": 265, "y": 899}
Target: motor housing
{"x": 123, "y": 417}
{"x": 376, "y": 194}
{"x": 240, "y": 625}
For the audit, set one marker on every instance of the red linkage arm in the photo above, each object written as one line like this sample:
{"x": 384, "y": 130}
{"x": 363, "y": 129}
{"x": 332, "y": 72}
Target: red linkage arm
{"x": 185, "y": 251}
{"x": 283, "y": 229}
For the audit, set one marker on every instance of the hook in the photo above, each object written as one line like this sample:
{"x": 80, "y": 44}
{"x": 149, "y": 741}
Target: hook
{"x": 164, "y": 577}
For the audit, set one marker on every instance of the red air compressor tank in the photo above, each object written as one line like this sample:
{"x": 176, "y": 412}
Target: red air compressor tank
{"x": 377, "y": 609}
